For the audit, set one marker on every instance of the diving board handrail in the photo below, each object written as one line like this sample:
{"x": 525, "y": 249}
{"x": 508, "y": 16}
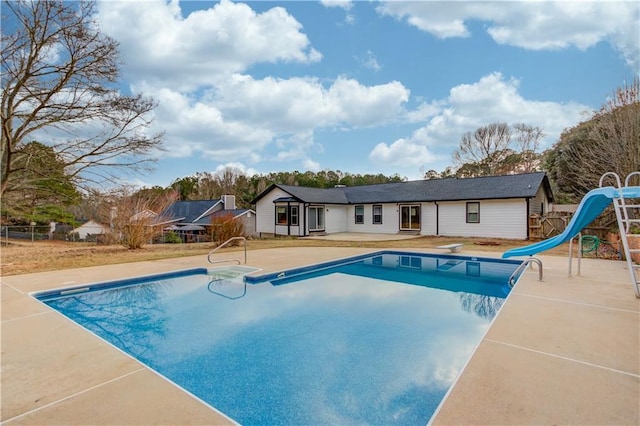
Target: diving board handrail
{"x": 521, "y": 268}
{"x": 224, "y": 244}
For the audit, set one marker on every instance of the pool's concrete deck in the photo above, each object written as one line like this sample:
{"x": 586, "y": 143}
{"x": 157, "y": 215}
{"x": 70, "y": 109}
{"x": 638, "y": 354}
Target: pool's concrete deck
{"x": 561, "y": 351}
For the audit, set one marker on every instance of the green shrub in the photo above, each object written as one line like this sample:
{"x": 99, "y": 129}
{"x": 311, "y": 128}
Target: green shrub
{"x": 172, "y": 238}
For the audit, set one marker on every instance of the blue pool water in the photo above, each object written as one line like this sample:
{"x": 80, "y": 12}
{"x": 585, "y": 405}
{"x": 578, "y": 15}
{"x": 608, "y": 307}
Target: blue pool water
{"x": 375, "y": 339}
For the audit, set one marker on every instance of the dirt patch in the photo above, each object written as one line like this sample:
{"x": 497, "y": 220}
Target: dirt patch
{"x": 487, "y": 243}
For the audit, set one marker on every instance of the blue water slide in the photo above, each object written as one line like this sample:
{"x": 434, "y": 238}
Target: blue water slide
{"x": 589, "y": 208}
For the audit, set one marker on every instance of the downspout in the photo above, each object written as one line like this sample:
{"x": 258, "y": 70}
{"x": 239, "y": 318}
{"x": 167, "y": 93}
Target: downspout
{"x": 289, "y": 218}
{"x": 305, "y": 229}
{"x": 437, "y": 218}
{"x": 527, "y": 218}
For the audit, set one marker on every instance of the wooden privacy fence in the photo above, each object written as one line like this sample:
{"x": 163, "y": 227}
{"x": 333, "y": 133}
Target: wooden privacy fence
{"x": 553, "y": 223}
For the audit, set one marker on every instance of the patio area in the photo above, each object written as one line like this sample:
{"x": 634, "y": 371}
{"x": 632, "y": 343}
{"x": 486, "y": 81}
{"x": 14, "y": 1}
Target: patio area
{"x": 562, "y": 351}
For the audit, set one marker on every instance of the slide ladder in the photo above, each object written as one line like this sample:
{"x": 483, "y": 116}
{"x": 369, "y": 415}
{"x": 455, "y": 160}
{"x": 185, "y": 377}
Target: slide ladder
{"x": 628, "y": 217}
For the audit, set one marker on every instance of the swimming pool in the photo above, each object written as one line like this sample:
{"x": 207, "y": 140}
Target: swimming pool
{"x": 338, "y": 343}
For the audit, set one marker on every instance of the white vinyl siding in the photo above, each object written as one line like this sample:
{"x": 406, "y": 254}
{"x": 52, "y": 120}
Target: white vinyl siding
{"x": 265, "y": 211}
{"x": 539, "y": 204}
{"x": 498, "y": 218}
{"x": 428, "y": 219}
{"x": 389, "y": 219}
{"x": 266, "y": 215}
{"x": 335, "y": 218}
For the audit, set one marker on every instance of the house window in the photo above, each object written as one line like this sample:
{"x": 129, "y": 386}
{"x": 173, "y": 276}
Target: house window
{"x": 359, "y": 214}
{"x": 473, "y": 269}
{"x": 411, "y": 262}
{"x": 473, "y": 212}
{"x": 316, "y": 218}
{"x": 287, "y": 215}
{"x": 281, "y": 215}
{"x": 409, "y": 218}
{"x": 377, "y": 215}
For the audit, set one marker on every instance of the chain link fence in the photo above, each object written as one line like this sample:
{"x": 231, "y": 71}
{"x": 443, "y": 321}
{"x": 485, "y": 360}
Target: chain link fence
{"x": 37, "y": 233}
{"x": 65, "y": 233}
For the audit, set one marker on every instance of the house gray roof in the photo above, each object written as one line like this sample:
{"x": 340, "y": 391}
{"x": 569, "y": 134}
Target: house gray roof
{"x": 188, "y": 211}
{"x": 448, "y": 189}
{"x": 206, "y": 220}
{"x": 317, "y": 195}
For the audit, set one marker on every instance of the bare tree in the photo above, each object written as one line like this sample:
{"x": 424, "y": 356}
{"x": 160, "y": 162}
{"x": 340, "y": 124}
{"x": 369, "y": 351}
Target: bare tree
{"x": 136, "y": 218}
{"x": 486, "y": 147}
{"x": 617, "y": 130}
{"x": 59, "y": 82}
{"x": 527, "y": 140}
{"x": 608, "y": 142}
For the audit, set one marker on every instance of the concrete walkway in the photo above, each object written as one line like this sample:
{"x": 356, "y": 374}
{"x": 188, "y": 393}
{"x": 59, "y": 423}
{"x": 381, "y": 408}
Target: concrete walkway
{"x": 561, "y": 351}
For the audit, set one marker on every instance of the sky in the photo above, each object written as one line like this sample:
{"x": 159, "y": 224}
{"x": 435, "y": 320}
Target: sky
{"x": 362, "y": 86}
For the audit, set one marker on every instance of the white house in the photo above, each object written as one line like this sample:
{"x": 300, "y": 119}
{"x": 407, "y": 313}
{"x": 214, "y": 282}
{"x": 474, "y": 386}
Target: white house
{"x": 90, "y": 228}
{"x": 492, "y": 206}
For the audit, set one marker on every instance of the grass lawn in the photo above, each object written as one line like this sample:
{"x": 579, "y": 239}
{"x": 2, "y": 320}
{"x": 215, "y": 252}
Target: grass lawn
{"x": 22, "y": 257}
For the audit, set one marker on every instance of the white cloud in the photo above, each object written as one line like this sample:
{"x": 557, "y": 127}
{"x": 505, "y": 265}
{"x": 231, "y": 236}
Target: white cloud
{"x": 301, "y": 104}
{"x": 247, "y": 171}
{"x": 193, "y": 125}
{"x": 243, "y": 116}
{"x": 359, "y": 105}
{"x": 344, "y": 4}
{"x": 347, "y": 5}
{"x": 469, "y": 106}
{"x": 402, "y": 153}
{"x": 162, "y": 45}
{"x": 196, "y": 67}
{"x": 369, "y": 61}
{"x": 534, "y": 25}
{"x": 493, "y": 98}
{"x": 311, "y": 165}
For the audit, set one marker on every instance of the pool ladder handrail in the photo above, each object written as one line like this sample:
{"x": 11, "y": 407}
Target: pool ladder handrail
{"x": 221, "y": 280}
{"x": 626, "y": 221}
{"x": 224, "y": 244}
{"x": 522, "y": 266}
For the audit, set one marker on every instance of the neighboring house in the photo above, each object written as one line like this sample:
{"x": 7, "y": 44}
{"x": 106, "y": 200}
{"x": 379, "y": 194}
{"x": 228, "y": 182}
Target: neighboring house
{"x": 144, "y": 214}
{"x": 195, "y": 216}
{"x": 492, "y": 206}
{"x": 90, "y": 228}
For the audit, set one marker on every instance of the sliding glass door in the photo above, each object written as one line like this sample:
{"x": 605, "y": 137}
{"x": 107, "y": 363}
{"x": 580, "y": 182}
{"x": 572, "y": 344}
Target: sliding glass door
{"x": 410, "y": 218}
{"x": 316, "y": 218}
